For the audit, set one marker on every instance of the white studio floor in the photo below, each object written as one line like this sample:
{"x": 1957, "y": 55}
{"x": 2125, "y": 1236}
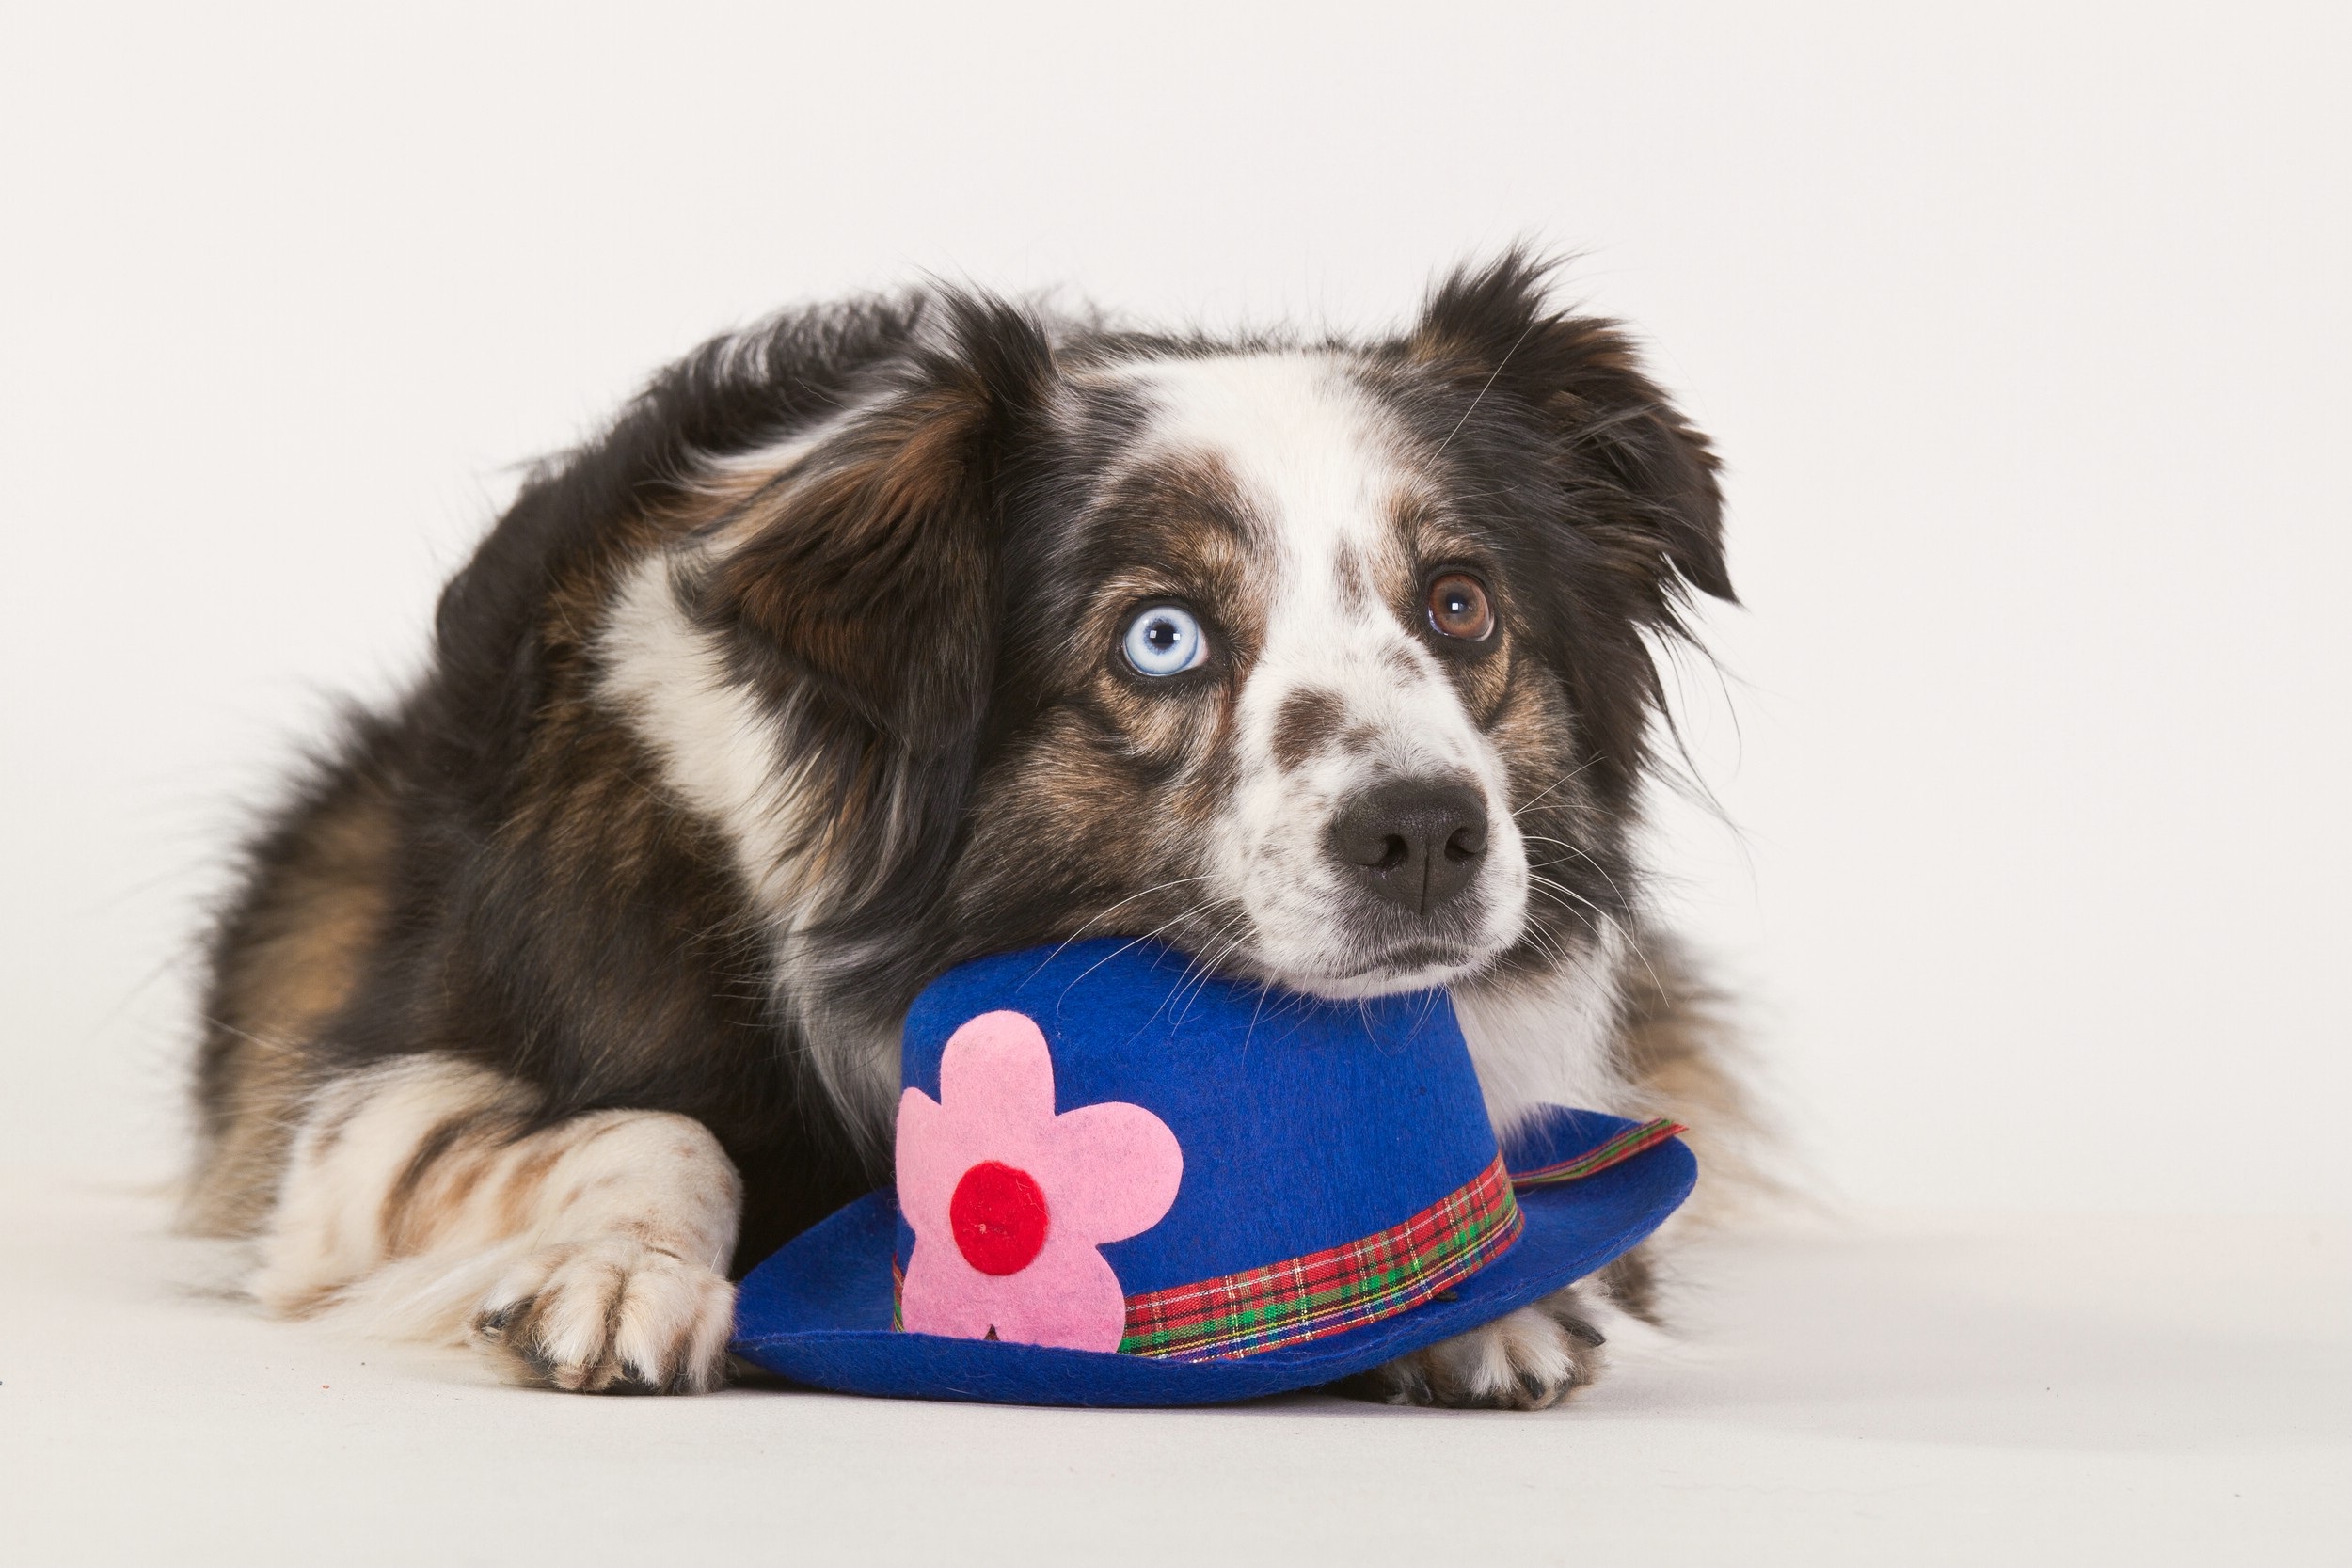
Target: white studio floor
{"x": 2085, "y": 1390}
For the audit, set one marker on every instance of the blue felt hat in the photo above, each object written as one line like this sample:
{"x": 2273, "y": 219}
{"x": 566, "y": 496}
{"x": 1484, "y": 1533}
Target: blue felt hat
{"x": 1124, "y": 1182}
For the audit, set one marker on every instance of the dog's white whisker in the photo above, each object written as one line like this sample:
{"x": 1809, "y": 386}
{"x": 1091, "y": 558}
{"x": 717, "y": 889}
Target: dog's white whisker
{"x": 1096, "y": 920}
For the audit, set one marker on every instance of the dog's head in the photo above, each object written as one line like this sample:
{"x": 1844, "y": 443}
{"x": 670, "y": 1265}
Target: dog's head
{"x": 1328, "y": 665}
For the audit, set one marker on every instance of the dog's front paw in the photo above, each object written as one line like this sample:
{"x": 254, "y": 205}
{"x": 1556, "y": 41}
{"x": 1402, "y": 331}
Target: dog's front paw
{"x": 1530, "y": 1360}
{"x": 615, "y": 1314}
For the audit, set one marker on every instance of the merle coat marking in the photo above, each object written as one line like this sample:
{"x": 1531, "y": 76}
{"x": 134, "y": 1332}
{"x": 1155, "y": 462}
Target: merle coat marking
{"x": 571, "y": 985}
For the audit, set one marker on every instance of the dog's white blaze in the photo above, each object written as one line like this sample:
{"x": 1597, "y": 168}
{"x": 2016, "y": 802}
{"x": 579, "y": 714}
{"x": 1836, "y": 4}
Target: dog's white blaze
{"x": 1316, "y": 463}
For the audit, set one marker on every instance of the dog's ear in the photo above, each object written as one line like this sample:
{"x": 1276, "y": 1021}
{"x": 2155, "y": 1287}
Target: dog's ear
{"x": 870, "y": 569}
{"x": 1642, "y": 480}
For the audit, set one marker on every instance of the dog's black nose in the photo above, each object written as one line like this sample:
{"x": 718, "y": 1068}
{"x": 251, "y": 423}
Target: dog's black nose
{"x": 1415, "y": 842}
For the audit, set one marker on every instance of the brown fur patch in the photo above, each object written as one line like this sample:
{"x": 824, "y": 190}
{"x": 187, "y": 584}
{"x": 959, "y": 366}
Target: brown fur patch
{"x": 518, "y": 1195}
{"x": 311, "y": 1302}
{"x": 1308, "y": 721}
{"x": 289, "y": 964}
{"x": 1177, "y": 528}
{"x": 447, "y": 1165}
{"x": 1353, "y": 578}
{"x": 1632, "y": 1282}
{"x": 890, "y": 532}
{"x": 1129, "y": 828}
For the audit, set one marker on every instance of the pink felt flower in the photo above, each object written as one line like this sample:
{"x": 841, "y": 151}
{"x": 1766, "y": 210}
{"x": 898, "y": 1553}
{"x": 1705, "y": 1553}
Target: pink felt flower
{"x": 1008, "y": 1201}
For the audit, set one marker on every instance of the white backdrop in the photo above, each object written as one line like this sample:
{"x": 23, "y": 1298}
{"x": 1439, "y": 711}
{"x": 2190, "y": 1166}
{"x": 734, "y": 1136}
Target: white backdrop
{"x": 2022, "y": 332}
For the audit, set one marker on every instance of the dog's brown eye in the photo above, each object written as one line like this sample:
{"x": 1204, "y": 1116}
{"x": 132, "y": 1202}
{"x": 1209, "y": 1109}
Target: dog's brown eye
{"x": 1459, "y": 607}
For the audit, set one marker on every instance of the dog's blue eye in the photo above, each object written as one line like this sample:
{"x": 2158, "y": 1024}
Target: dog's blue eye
{"x": 1165, "y": 641}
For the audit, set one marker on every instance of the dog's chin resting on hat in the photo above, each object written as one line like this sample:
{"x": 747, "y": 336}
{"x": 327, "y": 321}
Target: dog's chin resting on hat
{"x": 890, "y": 634}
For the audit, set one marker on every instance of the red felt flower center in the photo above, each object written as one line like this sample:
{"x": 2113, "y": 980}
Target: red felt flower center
{"x": 998, "y": 1215}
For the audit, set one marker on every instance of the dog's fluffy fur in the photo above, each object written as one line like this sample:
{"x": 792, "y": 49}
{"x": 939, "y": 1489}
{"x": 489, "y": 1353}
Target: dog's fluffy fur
{"x": 571, "y": 987}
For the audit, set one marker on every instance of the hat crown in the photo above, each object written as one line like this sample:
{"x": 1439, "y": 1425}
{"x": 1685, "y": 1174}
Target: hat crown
{"x": 1303, "y": 1123}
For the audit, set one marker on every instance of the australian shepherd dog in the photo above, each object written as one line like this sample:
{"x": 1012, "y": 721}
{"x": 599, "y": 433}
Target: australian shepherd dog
{"x": 890, "y": 634}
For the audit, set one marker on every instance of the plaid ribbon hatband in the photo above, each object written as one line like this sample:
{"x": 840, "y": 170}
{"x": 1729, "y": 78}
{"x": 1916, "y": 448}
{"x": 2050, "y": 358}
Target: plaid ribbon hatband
{"x": 1335, "y": 1290}
{"x": 1624, "y": 1146}
{"x": 1357, "y": 1282}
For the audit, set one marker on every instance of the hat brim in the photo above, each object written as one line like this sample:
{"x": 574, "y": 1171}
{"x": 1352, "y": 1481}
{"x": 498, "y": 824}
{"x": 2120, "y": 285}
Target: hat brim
{"x": 818, "y": 1312}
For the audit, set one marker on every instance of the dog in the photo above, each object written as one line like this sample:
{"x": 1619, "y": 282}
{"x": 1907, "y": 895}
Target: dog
{"x": 893, "y": 633}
